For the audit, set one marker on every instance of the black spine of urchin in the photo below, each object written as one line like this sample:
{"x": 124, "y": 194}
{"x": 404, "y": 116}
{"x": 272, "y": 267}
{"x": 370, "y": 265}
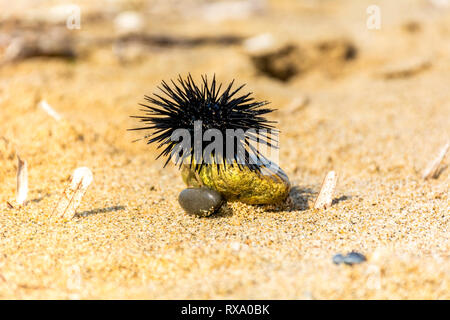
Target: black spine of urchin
{"x": 185, "y": 102}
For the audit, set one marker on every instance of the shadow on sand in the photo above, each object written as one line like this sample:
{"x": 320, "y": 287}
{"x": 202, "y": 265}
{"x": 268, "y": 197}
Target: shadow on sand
{"x": 99, "y": 210}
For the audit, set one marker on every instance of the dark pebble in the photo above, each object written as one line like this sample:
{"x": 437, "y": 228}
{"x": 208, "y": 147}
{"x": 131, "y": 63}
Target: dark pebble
{"x": 349, "y": 259}
{"x": 200, "y": 201}
{"x": 338, "y": 258}
{"x": 354, "y": 258}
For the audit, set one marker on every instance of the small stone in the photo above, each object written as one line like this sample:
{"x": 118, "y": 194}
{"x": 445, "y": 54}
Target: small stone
{"x": 200, "y": 201}
{"x": 354, "y": 258}
{"x": 338, "y": 258}
{"x": 236, "y": 246}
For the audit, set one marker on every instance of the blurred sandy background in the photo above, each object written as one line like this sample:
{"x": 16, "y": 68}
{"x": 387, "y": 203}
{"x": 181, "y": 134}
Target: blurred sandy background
{"x": 374, "y": 105}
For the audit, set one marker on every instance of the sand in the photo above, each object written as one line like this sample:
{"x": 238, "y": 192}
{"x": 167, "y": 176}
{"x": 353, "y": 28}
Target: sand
{"x": 377, "y": 116}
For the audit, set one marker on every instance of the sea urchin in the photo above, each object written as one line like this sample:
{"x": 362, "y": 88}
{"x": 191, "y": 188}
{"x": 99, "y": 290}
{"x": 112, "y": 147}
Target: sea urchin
{"x": 237, "y": 121}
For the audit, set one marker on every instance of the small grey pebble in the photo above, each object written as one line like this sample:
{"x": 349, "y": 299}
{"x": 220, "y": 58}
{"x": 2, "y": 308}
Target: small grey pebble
{"x": 338, "y": 258}
{"x": 354, "y": 258}
{"x": 200, "y": 201}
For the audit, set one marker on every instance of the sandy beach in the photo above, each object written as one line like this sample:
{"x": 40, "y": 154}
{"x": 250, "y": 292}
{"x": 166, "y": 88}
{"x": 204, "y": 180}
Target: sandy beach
{"x": 371, "y": 104}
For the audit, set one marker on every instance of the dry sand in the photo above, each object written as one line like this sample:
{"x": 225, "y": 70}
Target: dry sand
{"x": 377, "y": 118}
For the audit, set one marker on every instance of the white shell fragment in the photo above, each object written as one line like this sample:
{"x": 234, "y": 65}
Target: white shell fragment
{"x": 217, "y": 11}
{"x": 325, "y": 197}
{"x": 22, "y": 181}
{"x": 14, "y": 50}
{"x": 259, "y": 44}
{"x": 129, "y": 22}
{"x": 406, "y": 68}
{"x": 432, "y": 171}
{"x": 440, "y": 4}
{"x": 49, "y": 110}
{"x": 297, "y": 104}
{"x": 72, "y": 195}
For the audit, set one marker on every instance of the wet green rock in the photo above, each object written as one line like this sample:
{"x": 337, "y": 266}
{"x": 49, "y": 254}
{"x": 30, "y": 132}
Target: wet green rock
{"x": 236, "y": 184}
{"x": 200, "y": 201}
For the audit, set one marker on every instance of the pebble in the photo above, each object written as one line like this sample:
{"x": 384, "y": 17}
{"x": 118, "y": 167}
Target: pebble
{"x": 200, "y": 201}
{"x": 349, "y": 259}
{"x": 338, "y": 258}
{"x": 354, "y": 258}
